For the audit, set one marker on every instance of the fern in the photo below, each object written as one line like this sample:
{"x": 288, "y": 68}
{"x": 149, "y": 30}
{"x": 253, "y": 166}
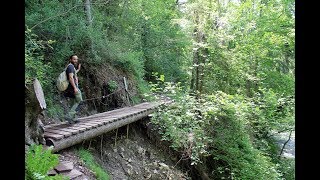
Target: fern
{"x": 39, "y": 162}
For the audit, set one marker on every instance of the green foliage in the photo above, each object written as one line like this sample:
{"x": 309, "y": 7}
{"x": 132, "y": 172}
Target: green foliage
{"x": 89, "y": 161}
{"x": 144, "y": 89}
{"x": 39, "y": 162}
{"x": 163, "y": 41}
{"x": 247, "y": 68}
{"x": 287, "y": 167}
{"x": 270, "y": 111}
{"x": 112, "y": 85}
{"x": 232, "y": 144}
{"x": 249, "y": 51}
{"x": 35, "y": 66}
{"x": 246, "y": 45}
{"x": 136, "y": 100}
{"x": 54, "y": 110}
{"x": 214, "y": 126}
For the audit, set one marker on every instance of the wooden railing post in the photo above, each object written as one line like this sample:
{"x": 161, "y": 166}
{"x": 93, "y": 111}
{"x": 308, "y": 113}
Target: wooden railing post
{"x": 127, "y": 97}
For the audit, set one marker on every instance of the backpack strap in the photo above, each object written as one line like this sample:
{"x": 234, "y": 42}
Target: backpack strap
{"x": 67, "y": 66}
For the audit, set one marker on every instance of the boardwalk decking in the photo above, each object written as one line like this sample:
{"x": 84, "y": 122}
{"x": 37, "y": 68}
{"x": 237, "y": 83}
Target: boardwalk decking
{"x": 64, "y": 135}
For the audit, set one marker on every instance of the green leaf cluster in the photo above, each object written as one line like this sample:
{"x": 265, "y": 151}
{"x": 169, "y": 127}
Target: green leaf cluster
{"x": 38, "y": 162}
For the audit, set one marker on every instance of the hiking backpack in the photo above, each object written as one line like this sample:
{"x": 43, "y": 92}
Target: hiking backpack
{"x": 62, "y": 81}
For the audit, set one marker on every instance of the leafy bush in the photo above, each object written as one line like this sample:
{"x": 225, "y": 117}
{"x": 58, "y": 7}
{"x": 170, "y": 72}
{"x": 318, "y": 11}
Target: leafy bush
{"x": 213, "y": 126}
{"x": 112, "y": 86}
{"x": 39, "y": 162}
{"x": 287, "y": 168}
{"x": 34, "y": 61}
{"x": 55, "y": 110}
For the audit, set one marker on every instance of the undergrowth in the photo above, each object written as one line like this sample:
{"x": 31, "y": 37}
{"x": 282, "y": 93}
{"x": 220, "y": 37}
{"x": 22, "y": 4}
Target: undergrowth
{"x": 89, "y": 161}
{"x": 39, "y": 162}
{"x": 213, "y": 130}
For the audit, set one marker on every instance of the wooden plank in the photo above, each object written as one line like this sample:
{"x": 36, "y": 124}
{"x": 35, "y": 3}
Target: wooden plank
{"x": 144, "y": 105}
{"x": 105, "y": 113}
{"x": 75, "y": 126}
{"x": 53, "y": 136}
{"x": 52, "y": 125}
{"x": 58, "y": 126}
{"x": 96, "y": 124}
{"x": 100, "y": 118}
{"x": 121, "y": 112}
{"x": 81, "y": 129}
{"x": 65, "y": 134}
{"x": 123, "y": 115}
{"x": 72, "y": 131}
{"x": 90, "y": 124}
{"x": 88, "y": 127}
{"x": 124, "y": 112}
{"x": 102, "y": 121}
{"x": 129, "y": 114}
{"x": 106, "y": 119}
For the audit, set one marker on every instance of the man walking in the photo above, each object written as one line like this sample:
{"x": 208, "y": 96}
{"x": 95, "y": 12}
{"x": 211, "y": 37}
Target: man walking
{"x": 73, "y": 90}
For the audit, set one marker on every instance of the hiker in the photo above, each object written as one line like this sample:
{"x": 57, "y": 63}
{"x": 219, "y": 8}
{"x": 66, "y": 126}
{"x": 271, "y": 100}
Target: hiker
{"x": 73, "y": 90}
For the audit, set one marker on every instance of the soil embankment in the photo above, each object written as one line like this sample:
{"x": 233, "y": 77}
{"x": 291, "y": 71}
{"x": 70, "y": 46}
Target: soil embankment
{"x": 135, "y": 157}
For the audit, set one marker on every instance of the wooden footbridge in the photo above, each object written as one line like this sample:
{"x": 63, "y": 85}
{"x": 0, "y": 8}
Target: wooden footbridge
{"x": 64, "y": 135}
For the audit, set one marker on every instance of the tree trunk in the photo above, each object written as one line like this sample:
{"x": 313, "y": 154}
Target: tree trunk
{"x": 87, "y": 7}
{"x": 286, "y": 63}
{"x": 194, "y": 86}
{"x": 255, "y": 74}
{"x": 34, "y": 106}
{"x": 250, "y": 82}
{"x": 202, "y": 169}
{"x": 202, "y": 63}
{"x": 248, "y": 87}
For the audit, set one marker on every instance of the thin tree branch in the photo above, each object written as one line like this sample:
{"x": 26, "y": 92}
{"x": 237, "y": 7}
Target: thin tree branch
{"x": 286, "y": 142}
